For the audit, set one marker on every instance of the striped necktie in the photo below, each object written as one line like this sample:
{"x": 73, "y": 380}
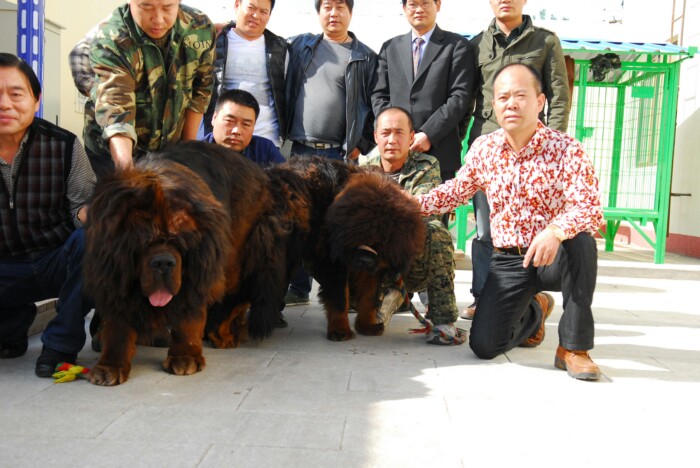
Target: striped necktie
{"x": 417, "y": 43}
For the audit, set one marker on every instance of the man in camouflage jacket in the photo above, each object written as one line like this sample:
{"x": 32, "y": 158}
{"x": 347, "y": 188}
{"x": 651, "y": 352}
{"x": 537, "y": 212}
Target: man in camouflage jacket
{"x": 417, "y": 173}
{"x": 153, "y": 81}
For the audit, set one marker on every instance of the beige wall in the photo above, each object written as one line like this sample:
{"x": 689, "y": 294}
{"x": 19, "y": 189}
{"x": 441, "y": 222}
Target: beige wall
{"x": 76, "y": 17}
{"x": 686, "y": 170}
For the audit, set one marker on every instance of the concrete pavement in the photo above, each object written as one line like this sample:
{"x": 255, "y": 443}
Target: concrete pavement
{"x": 298, "y": 400}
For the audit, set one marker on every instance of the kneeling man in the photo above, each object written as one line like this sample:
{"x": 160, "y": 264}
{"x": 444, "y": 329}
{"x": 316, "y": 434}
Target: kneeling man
{"x": 417, "y": 173}
{"x": 545, "y": 204}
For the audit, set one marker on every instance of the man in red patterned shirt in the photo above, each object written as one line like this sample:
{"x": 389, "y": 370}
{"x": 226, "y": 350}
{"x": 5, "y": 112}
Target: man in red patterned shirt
{"x": 545, "y": 204}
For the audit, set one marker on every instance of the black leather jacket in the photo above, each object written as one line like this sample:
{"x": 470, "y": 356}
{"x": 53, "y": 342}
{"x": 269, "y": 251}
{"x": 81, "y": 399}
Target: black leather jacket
{"x": 276, "y": 51}
{"x": 360, "y": 77}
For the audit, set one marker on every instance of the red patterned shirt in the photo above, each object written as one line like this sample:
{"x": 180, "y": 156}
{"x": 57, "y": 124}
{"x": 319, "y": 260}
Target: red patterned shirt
{"x": 549, "y": 181}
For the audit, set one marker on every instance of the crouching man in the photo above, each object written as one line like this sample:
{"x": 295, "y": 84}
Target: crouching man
{"x": 233, "y": 122}
{"x": 417, "y": 173}
{"x": 46, "y": 182}
{"x": 545, "y": 204}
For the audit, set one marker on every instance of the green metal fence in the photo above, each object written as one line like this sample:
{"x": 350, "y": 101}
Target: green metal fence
{"x": 624, "y": 112}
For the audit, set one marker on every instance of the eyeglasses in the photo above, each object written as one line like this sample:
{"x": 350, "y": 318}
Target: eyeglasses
{"x": 412, "y": 6}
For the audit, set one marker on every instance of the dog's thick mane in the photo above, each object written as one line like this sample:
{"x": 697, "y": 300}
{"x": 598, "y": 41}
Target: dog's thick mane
{"x": 156, "y": 201}
{"x": 371, "y": 210}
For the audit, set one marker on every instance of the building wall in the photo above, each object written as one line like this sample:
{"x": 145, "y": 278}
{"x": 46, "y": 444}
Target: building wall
{"x": 76, "y": 17}
{"x": 51, "y": 105}
{"x": 685, "y": 223}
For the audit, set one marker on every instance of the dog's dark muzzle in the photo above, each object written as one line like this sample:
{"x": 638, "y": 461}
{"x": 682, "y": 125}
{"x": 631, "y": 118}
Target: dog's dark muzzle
{"x": 163, "y": 263}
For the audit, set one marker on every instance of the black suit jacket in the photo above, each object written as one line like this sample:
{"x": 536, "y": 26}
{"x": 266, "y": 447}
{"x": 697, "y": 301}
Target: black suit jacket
{"x": 440, "y": 96}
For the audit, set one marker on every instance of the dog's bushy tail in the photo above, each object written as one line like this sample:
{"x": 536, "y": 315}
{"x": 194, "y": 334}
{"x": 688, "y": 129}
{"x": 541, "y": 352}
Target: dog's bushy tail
{"x": 265, "y": 307}
{"x": 265, "y": 254}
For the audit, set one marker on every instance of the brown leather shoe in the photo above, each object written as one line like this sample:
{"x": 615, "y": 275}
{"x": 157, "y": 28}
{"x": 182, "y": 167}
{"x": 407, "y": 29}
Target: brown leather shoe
{"x": 546, "y": 302}
{"x": 578, "y": 364}
{"x": 468, "y": 313}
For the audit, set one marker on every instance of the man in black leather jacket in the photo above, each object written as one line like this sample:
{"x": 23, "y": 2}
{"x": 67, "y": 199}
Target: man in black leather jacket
{"x": 252, "y": 58}
{"x": 329, "y": 113}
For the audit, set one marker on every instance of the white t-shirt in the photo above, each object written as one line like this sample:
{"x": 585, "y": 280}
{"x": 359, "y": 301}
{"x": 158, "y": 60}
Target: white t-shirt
{"x": 246, "y": 69}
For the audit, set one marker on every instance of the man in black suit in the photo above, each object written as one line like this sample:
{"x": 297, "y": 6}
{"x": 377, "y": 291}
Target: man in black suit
{"x": 432, "y": 74}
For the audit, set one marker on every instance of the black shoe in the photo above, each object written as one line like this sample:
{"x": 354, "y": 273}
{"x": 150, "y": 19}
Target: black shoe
{"x": 48, "y": 359}
{"x": 281, "y": 322}
{"x": 17, "y": 343}
{"x": 292, "y": 299}
{"x": 14, "y": 349}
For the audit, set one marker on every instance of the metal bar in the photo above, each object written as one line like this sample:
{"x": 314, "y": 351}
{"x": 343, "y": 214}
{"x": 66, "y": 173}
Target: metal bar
{"x": 581, "y": 103}
{"x": 617, "y": 147}
{"x": 641, "y": 232}
{"x": 30, "y": 37}
{"x": 666, "y": 147}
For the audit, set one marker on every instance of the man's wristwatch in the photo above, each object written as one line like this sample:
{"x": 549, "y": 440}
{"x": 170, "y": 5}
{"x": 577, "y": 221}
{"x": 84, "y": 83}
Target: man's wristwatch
{"x": 558, "y": 232}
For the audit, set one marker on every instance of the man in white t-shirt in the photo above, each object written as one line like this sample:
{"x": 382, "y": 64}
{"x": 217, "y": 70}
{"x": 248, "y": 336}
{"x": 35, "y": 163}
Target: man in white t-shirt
{"x": 251, "y": 58}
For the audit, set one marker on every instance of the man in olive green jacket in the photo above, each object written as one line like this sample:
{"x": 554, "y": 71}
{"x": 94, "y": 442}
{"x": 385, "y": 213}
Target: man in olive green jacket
{"x": 153, "y": 81}
{"x": 511, "y": 38}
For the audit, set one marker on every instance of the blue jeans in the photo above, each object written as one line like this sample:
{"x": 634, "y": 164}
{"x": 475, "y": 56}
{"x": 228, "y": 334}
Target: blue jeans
{"x": 508, "y": 314}
{"x": 482, "y": 245}
{"x": 53, "y": 273}
{"x": 300, "y": 284}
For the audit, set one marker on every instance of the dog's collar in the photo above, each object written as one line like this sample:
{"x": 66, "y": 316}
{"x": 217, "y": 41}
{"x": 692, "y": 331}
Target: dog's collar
{"x": 368, "y": 248}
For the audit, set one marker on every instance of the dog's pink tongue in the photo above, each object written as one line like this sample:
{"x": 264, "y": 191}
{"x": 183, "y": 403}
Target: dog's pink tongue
{"x": 160, "y": 298}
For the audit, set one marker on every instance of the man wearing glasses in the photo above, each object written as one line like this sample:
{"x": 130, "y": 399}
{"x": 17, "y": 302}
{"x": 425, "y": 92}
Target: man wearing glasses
{"x": 432, "y": 74}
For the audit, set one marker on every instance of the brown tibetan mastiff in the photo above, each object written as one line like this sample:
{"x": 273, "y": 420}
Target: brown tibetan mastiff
{"x": 171, "y": 236}
{"x": 362, "y": 226}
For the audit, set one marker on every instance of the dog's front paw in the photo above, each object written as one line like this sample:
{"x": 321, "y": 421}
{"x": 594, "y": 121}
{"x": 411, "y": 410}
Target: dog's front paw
{"x": 222, "y": 341}
{"x": 340, "y": 335}
{"x": 369, "y": 329}
{"x": 184, "y": 365}
{"x": 108, "y": 375}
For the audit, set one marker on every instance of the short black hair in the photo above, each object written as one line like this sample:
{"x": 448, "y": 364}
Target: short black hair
{"x": 349, "y": 3}
{"x": 240, "y": 97}
{"x": 272, "y": 4}
{"x": 395, "y": 108}
{"x": 539, "y": 85}
{"x": 12, "y": 61}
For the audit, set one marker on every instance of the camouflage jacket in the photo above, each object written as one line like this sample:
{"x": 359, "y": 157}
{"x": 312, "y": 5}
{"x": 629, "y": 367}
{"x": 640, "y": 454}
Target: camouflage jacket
{"x": 134, "y": 93}
{"x": 419, "y": 174}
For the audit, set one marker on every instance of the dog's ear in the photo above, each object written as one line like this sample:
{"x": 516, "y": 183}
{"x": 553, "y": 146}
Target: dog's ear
{"x": 364, "y": 258}
{"x": 200, "y": 226}
{"x": 117, "y": 228}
